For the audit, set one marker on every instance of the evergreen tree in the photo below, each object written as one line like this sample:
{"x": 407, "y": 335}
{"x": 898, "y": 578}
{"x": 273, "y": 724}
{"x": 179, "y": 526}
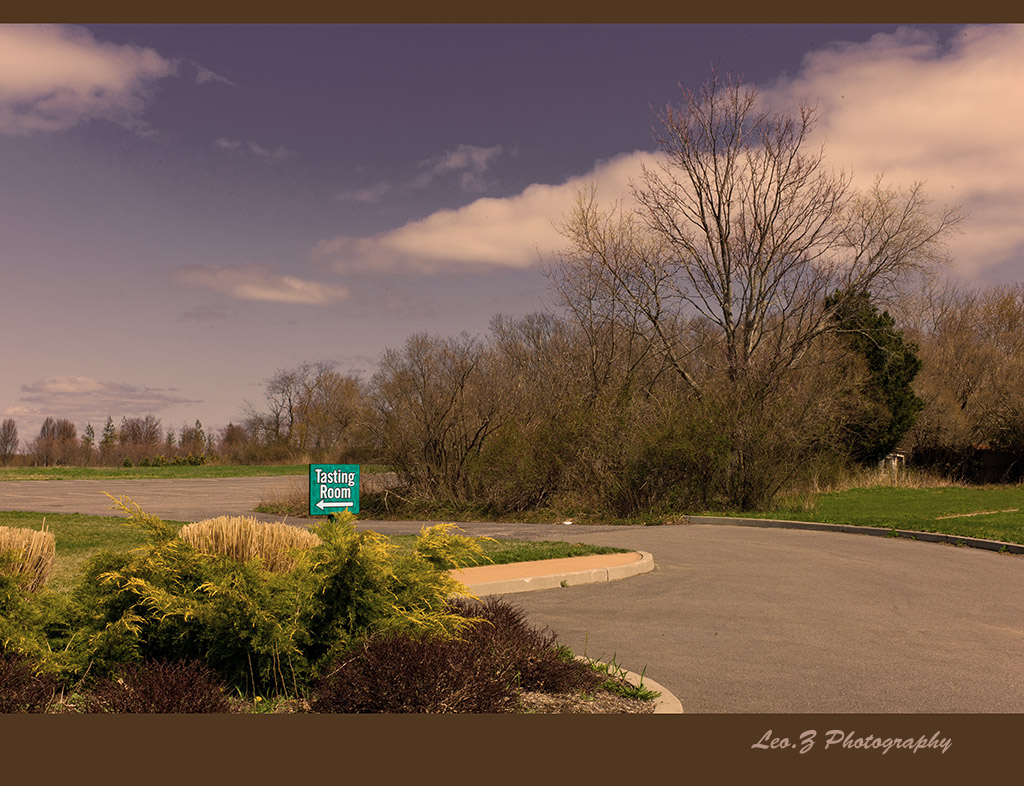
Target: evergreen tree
{"x": 88, "y": 444}
{"x": 891, "y": 406}
{"x": 108, "y": 438}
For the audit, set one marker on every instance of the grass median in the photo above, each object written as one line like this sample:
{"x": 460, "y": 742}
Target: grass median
{"x": 988, "y": 512}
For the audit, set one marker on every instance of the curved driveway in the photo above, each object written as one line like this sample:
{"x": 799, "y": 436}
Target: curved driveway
{"x": 733, "y": 619}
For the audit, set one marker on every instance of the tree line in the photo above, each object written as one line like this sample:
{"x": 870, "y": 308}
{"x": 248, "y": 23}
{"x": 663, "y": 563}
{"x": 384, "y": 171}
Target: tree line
{"x": 136, "y": 441}
{"x": 743, "y": 322}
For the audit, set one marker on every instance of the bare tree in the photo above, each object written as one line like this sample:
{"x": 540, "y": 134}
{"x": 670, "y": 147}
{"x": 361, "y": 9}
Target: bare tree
{"x": 731, "y": 268}
{"x": 312, "y": 410}
{"x": 8, "y": 440}
{"x": 609, "y": 255}
{"x": 972, "y": 378}
{"x": 57, "y": 442}
{"x": 437, "y": 406}
{"x": 330, "y": 412}
{"x": 234, "y": 443}
{"x": 139, "y": 437}
{"x": 743, "y": 227}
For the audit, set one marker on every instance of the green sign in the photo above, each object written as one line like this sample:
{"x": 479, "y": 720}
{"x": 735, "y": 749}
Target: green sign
{"x": 333, "y": 488}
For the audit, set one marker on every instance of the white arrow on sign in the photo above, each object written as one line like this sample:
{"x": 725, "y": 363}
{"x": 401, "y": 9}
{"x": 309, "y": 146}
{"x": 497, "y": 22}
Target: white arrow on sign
{"x": 324, "y": 505}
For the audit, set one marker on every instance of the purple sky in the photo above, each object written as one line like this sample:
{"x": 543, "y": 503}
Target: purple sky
{"x": 188, "y": 208}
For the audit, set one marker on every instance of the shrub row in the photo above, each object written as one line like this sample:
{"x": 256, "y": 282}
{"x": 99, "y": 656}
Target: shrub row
{"x": 480, "y": 671}
{"x": 262, "y": 627}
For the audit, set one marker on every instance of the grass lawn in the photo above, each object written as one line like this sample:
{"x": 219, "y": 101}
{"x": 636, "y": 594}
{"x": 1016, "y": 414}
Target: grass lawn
{"x": 170, "y": 471}
{"x": 78, "y": 537}
{"x": 990, "y": 512}
{"x": 167, "y": 471}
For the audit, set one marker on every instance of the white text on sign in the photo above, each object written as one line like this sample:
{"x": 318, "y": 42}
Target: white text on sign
{"x": 335, "y": 476}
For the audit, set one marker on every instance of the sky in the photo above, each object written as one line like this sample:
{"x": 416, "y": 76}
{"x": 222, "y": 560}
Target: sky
{"x": 187, "y": 209}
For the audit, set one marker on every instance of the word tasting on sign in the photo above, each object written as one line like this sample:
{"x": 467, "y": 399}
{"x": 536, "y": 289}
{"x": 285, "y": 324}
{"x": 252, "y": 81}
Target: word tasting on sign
{"x": 333, "y": 488}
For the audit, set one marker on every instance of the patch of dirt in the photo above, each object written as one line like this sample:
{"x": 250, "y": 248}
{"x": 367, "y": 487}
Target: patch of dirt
{"x": 601, "y": 703}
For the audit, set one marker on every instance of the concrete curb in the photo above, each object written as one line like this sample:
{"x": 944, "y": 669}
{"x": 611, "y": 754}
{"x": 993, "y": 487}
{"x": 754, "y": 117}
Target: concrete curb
{"x": 929, "y": 537}
{"x": 665, "y": 704}
{"x": 571, "y": 578}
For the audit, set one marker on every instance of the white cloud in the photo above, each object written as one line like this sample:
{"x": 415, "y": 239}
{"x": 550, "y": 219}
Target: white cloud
{"x": 257, "y": 282}
{"x": 906, "y": 103}
{"x": 61, "y": 385}
{"x": 950, "y": 115}
{"x": 54, "y": 77}
{"x": 84, "y": 400}
{"x": 205, "y": 75}
{"x": 370, "y": 194}
{"x": 277, "y": 154}
{"x": 209, "y": 314}
{"x": 487, "y": 233}
{"x": 470, "y": 161}
{"x": 87, "y": 399}
{"x": 237, "y": 145}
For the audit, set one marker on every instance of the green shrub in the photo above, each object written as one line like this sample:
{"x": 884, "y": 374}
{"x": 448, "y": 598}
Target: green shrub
{"x": 27, "y": 616}
{"x": 444, "y": 549}
{"x": 190, "y": 460}
{"x": 362, "y": 586}
{"x": 260, "y": 631}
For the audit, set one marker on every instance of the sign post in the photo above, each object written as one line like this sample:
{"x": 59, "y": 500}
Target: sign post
{"x": 333, "y": 488}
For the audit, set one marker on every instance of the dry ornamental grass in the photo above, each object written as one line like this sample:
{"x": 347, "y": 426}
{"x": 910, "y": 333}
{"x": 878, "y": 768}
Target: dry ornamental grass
{"x": 29, "y": 553}
{"x": 244, "y": 538}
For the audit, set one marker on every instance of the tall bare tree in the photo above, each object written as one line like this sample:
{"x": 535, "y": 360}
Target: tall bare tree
{"x": 746, "y": 229}
{"x": 139, "y": 437}
{"x": 313, "y": 410}
{"x": 8, "y": 440}
{"x": 437, "y": 406}
{"x": 972, "y": 378}
{"x": 57, "y": 442}
{"x": 739, "y": 251}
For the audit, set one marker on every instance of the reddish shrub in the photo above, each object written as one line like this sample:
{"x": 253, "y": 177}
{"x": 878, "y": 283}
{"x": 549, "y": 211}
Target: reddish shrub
{"x": 160, "y": 687}
{"x": 21, "y": 689}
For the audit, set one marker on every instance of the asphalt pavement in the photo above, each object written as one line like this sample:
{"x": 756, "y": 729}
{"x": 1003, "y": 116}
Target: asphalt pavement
{"x": 177, "y": 500}
{"x": 732, "y": 619}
